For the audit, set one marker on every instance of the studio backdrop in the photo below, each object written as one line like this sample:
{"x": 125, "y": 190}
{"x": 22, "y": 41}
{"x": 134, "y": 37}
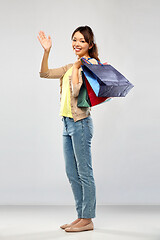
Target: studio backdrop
{"x": 125, "y": 145}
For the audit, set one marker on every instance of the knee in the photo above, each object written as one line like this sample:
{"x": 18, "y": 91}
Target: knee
{"x": 71, "y": 176}
{"x": 86, "y": 178}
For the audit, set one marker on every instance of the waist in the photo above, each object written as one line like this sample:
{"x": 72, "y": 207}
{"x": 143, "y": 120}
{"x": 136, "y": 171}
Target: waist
{"x": 67, "y": 117}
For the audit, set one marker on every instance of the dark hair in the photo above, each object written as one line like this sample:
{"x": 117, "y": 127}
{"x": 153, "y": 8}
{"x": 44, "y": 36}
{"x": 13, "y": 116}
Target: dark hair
{"x": 87, "y": 32}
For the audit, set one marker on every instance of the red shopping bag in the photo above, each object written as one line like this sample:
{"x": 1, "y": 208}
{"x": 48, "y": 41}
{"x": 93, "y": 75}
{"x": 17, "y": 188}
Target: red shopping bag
{"x": 94, "y": 100}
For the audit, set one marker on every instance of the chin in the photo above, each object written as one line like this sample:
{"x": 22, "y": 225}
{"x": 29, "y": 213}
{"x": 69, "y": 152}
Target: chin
{"x": 80, "y": 55}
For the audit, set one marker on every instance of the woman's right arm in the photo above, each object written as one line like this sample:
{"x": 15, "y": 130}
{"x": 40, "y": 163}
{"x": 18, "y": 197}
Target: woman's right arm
{"x": 44, "y": 64}
{"x": 45, "y": 72}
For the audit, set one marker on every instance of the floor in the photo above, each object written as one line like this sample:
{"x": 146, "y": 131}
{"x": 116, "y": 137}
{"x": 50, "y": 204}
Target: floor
{"x": 111, "y": 223}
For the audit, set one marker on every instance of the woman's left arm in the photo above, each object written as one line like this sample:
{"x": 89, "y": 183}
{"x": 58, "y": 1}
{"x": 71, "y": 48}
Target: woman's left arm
{"x": 76, "y": 78}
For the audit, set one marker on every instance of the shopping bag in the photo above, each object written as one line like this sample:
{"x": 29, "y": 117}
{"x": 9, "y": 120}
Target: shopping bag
{"x": 105, "y": 80}
{"x": 87, "y": 96}
{"x": 83, "y": 98}
{"x": 94, "y": 100}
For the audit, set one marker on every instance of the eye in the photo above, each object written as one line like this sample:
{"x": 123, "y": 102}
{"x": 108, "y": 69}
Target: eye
{"x": 83, "y": 41}
{"x": 74, "y": 40}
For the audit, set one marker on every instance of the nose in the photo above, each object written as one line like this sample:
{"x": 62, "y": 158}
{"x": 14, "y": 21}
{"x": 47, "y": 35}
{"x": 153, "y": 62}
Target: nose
{"x": 76, "y": 43}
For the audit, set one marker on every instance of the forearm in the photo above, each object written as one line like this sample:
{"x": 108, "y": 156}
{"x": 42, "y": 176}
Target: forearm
{"x": 75, "y": 75}
{"x": 76, "y": 81}
{"x": 44, "y": 64}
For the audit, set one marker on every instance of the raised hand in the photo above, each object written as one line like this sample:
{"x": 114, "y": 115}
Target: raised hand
{"x": 45, "y": 42}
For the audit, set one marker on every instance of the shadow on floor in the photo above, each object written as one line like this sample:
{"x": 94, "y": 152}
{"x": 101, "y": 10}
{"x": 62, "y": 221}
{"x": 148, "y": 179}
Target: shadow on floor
{"x": 89, "y": 235}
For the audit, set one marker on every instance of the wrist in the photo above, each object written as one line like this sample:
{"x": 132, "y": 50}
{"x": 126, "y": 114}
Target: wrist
{"x": 46, "y": 51}
{"x": 75, "y": 67}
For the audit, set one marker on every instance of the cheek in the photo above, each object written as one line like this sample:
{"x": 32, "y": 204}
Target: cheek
{"x": 86, "y": 47}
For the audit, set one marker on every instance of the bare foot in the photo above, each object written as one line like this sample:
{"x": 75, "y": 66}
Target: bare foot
{"x": 82, "y": 222}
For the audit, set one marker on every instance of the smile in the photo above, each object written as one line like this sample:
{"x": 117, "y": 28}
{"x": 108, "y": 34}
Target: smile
{"x": 77, "y": 49}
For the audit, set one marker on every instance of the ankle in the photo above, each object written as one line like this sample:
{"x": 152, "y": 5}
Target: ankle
{"x": 88, "y": 220}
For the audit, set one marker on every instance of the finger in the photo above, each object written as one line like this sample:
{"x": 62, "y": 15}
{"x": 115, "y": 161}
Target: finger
{"x": 43, "y": 37}
{"x": 39, "y": 38}
{"x": 43, "y": 34}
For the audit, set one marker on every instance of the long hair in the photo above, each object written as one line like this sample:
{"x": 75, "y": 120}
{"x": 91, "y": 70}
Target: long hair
{"x": 87, "y": 32}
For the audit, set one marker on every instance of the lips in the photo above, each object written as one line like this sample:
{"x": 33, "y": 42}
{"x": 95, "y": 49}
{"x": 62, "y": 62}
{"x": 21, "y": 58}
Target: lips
{"x": 77, "y": 49}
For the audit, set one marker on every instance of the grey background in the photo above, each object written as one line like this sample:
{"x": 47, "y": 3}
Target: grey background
{"x": 125, "y": 145}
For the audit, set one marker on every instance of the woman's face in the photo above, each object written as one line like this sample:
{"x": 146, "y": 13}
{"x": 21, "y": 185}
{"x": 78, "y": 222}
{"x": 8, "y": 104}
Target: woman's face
{"x": 79, "y": 45}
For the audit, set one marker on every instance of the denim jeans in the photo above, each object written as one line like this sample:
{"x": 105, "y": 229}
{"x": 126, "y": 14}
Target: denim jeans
{"x": 77, "y": 138}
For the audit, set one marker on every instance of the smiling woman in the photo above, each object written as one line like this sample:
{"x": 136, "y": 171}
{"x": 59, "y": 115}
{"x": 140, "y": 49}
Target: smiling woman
{"x": 80, "y": 45}
{"x": 77, "y": 125}
{"x": 83, "y": 43}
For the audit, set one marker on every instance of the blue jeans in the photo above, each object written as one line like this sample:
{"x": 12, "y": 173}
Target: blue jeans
{"x": 78, "y": 164}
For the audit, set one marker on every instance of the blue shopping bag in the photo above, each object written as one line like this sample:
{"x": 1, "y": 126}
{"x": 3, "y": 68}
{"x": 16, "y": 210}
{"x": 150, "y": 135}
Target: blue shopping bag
{"x": 105, "y": 80}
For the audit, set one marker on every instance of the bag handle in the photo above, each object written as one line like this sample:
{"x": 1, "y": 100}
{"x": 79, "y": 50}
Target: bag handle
{"x": 85, "y": 60}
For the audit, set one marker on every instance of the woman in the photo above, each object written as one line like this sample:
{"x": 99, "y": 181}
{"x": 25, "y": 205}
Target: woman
{"x": 78, "y": 125}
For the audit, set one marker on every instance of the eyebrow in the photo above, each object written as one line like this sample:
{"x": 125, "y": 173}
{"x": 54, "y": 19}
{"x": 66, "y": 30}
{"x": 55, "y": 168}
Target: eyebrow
{"x": 80, "y": 38}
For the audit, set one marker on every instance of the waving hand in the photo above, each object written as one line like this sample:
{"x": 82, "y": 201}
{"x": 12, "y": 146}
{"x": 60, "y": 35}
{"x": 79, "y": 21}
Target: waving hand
{"x": 45, "y": 42}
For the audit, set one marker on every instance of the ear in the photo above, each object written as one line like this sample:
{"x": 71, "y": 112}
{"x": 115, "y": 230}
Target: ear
{"x": 91, "y": 46}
